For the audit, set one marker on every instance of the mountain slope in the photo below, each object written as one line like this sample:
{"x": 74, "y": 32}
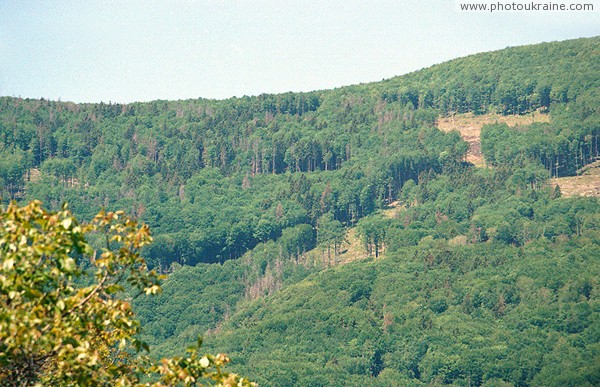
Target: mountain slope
{"x": 488, "y": 275}
{"x": 515, "y": 316}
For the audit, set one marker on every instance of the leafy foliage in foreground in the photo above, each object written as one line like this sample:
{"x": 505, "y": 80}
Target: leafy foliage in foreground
{"x": 55, "y": 333}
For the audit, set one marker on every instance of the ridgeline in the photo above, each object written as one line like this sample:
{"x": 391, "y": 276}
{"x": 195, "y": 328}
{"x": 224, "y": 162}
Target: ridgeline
{"x": 479, "y": 276}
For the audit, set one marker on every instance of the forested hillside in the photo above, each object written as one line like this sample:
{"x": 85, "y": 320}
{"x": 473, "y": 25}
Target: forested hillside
{"x": 484, "y": 275}
{"x": 506, "y": 294}
{"x": 199, "y": 171}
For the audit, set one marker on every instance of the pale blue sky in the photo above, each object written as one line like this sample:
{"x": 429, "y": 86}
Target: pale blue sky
{"x": 124, "y": 51}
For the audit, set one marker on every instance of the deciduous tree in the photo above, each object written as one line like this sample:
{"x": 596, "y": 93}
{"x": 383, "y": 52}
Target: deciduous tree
{"x": 53, "y": 332}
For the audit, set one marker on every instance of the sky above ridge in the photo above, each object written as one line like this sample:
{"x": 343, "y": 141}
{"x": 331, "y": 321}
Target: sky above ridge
{"x": 124, "y": 51}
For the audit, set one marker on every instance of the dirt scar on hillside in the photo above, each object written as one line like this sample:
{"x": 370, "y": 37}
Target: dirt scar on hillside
{"x": 587, "y": 183}
{"x": 469, "y": 126}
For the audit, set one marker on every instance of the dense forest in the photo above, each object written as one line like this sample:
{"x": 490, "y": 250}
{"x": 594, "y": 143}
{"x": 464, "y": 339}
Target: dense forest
{"x": 484, "y": 275}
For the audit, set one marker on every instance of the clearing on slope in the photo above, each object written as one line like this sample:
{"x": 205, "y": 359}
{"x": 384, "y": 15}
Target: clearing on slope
{"x": 353, "y": 249}
{"x": 469, "y": 126}
{"x": 586, "y": 183}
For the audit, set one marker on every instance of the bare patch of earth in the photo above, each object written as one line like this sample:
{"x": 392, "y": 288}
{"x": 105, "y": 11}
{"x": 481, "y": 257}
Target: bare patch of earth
{"x": 587, "y": 183}
{"x": 469, "y": 126}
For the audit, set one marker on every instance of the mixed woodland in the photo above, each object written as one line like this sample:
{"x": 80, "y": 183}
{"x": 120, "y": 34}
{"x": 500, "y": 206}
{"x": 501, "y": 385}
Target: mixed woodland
{"x": 483, "y": 275}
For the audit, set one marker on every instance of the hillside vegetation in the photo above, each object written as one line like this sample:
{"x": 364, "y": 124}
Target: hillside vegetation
{"x": 473, "y": 276}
